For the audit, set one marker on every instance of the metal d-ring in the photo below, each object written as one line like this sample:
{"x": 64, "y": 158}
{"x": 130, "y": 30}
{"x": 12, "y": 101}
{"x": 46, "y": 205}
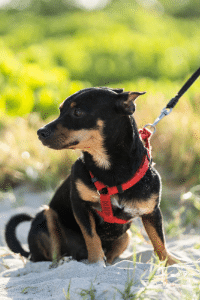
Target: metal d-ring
{"x": 152, "y": 126}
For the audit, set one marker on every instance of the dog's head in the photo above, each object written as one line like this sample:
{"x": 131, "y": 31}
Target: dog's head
{"x": 83, "y": 117}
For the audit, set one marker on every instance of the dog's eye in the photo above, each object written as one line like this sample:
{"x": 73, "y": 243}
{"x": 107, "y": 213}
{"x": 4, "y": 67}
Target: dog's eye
{"x": 78, "y": 112}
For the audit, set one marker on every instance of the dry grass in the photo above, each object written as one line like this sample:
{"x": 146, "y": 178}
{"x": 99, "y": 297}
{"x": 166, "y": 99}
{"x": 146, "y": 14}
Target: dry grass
{"x": 23, "y": 158}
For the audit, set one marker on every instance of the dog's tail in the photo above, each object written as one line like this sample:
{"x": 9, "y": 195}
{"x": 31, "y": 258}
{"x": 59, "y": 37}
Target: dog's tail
{"x": 10, "y": 233}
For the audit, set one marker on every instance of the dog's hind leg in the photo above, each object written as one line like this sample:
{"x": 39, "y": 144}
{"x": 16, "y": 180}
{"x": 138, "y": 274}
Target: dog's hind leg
{"x": 55, "y": 233}
{"x": 118, "y": 247}
{"x": 39, "y": 239}
{"x": 42, "y": 247}
{"x": 45, "y": 236}
{"x": 154, "y": 228}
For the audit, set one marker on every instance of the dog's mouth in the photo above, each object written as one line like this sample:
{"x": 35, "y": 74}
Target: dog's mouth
{"x": 70, "y": 145}
{"x": 56, "y": 146}
{"x": 68, "y": 140}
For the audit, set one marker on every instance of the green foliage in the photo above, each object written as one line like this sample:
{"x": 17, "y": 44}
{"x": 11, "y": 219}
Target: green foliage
{"x": 142, "y": 293}
{"x": 88, "y": 294}
{"x": 44, "y": 59}
{"x": 67, "y": 296}
{"x": 98, "y": 48}
{"x": 184, "y": 9}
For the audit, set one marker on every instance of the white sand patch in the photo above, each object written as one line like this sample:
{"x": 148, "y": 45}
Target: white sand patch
{"x": 25, "y": 280}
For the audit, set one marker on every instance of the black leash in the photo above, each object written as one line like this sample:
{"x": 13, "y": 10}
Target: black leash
{"x": 166, "y": 111}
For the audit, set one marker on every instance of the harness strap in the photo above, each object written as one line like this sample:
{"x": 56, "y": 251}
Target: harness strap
{"x": 105, "y": 192}
{"x": 145, "y": 135}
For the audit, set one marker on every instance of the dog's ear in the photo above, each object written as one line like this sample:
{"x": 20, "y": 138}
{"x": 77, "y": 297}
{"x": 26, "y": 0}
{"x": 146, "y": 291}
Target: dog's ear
{"x": 126, "y": 104}
{"x": 118, "y": 91}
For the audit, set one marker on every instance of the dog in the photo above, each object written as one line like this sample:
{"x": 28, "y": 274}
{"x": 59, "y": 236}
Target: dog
{"x": 84, "y": 219}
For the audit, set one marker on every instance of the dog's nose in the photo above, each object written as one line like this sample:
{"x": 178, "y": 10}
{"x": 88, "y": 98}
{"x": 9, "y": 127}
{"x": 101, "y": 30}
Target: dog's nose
{"x": 44, "y": 133}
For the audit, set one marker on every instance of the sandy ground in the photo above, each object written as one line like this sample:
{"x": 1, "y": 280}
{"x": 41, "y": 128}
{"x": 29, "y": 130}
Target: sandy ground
{"x": 21, "y": 279}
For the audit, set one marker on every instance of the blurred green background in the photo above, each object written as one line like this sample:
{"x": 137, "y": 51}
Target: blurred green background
{"x": 50, "y": 49}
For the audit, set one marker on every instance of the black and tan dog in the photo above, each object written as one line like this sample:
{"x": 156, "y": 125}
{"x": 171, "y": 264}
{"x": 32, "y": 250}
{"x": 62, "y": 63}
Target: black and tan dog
{"x": 99, "y": 122}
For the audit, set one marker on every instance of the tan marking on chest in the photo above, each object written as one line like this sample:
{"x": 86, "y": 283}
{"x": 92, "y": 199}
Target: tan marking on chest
{"x": 86, "y": 193}
{"x": 139, "y": 208}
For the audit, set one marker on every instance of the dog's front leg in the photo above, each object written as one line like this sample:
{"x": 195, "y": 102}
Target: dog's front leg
{"x": 81, "y": 198}
{"x": 154, "y": 228}
{"x": 92, "y": 240}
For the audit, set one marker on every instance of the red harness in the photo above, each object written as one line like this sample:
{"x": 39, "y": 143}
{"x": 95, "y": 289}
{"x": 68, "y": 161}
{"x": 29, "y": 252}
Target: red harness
{"x": 105, "y": 192}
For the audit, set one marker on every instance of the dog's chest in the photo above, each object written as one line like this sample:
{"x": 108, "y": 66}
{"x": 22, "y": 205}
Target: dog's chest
{"x": 133, "y": 207}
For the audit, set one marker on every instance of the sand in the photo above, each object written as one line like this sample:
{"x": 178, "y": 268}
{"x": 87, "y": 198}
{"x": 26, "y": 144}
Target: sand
{"x": 21, "y": 279}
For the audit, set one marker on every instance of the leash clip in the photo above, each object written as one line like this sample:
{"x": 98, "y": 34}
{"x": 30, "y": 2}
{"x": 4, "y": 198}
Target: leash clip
{"x": 164, "y": 112}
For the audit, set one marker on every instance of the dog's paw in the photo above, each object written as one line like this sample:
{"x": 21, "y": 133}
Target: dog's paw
{"x": 54, "y": 264}
{"x": 63, "y": 260}
{"x": 171, "y": 260}
{"x": 100, "y": 264}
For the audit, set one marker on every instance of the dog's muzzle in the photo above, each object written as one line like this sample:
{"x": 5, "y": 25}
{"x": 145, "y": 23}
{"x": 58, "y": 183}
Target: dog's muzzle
{"x": 44, "y": 133}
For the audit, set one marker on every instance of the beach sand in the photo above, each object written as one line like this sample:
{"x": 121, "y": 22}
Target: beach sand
{"x": 131, "y": 274}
